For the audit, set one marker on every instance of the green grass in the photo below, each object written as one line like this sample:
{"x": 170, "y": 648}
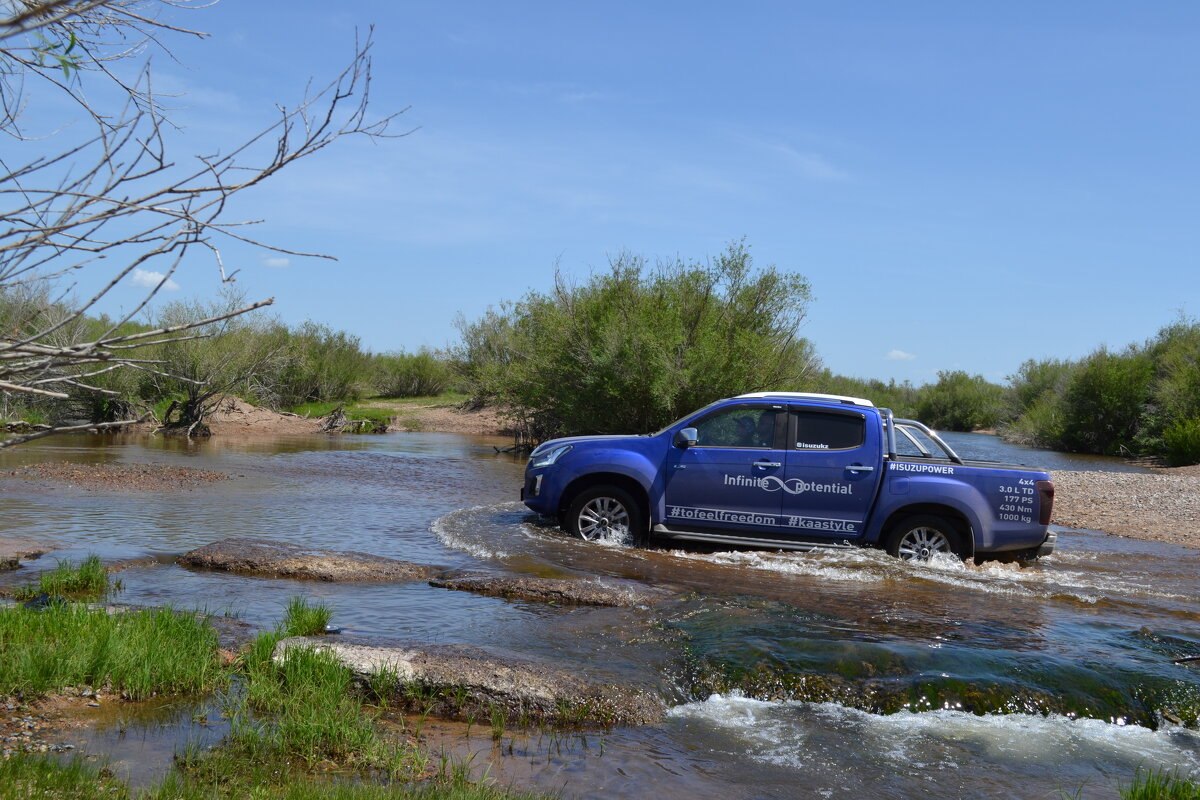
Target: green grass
{"x": 25, "y": 776}
{"x": 302, "y": 619}
{"x": 353, "y": 411}
{"x": 1156, "y": 785}
{"x": 88, "y": 581}
{"x": 299, "y": 728}
{"x": 443, "y": 399}
{"x": 138, "y": 654}
{"x": 306, "y": 708}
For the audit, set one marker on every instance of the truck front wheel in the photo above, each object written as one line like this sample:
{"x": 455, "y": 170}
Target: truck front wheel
{"x": 605, "y": 513}
{"x": 919, "y": 538}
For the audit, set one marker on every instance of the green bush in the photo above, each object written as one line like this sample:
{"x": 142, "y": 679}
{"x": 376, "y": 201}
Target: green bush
{"x": 960, "y": 402}
{"x": 634, "y": 347}
{"x": 1104, "y": 401}
{"x": 318, "y": 363}
{"x": 901, "y": 398}
{"x": 420, "y": 374}
{"x": 1181, "y": 442}
{"x": 1040, "y": 425}
{"x": 1036, "y": 380}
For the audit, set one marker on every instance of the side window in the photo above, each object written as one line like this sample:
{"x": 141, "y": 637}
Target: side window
{"x": 738, "y": 427}
{"x": 819, "y": 431}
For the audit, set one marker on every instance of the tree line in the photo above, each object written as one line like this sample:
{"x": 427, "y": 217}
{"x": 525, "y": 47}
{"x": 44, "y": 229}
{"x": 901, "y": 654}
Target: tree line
{"x": 629, "y": 349}
{"x": 177, "y": 380}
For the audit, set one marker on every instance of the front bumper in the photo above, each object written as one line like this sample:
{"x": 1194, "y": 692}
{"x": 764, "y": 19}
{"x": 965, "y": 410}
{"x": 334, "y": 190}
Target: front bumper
{"x": 535, "y": 493}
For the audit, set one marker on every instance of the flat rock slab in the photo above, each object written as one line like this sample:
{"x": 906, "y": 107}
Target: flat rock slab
{"x": 284, "y": 560}
{"x": 467, "y": 682}
{"x": 13, "y": 549}
{"x": 584, "y": 592}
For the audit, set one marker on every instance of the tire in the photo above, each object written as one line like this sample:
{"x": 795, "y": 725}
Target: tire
{"x": 919, "y": 538}
{"x": 605, "y": 513}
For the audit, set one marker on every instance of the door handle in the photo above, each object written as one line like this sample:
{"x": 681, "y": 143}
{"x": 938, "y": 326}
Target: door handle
{"x": 859, "y": 468}
{"x": 765, "y": 464}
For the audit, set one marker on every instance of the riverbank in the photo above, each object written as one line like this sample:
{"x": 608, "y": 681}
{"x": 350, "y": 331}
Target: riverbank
{"x": 1163, "y": 506}
{"x": 234, "y": 417}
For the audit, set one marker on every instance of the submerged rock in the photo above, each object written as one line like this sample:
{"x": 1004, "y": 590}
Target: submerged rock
{"x": 15, "y": 549}
{"x": 467, "y": 682}
{"x": 285, "y": 560}
{"x": 589, "y": 592}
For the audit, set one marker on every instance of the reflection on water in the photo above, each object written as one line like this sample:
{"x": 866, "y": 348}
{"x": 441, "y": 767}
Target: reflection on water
{"x": 778, "y": 664}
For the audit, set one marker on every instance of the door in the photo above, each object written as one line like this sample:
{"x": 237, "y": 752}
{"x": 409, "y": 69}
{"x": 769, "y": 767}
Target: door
{"x": 831, "y": 471}
{"x": 729, "y": 479}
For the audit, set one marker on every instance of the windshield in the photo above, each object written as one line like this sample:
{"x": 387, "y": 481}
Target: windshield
{"x": 666, "y": 428}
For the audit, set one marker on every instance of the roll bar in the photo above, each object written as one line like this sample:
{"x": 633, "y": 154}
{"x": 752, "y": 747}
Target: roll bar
{"x": 891, "y": 425}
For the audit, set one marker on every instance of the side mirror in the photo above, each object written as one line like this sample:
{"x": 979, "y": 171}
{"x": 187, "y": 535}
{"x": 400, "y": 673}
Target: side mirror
{"x": 687, "y": 437}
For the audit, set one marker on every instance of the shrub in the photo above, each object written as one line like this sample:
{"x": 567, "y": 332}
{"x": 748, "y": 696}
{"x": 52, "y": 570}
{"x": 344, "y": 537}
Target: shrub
{"x": 420, "y": 374}
{"x": 1104, "y": 401}
{"x": 960, "y": 402}
{"x": 901, "y": 398}
{"x": 635, "y": 347}
{"x": 1181, "y": 442}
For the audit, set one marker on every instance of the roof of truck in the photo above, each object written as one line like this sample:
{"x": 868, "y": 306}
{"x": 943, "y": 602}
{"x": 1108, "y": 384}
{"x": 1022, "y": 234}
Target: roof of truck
{"x": 829, "y": 398}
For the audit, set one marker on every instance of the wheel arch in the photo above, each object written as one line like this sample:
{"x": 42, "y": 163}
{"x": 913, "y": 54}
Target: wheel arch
{"x": 583, "y": 482}
{"x": 962, "y": 525}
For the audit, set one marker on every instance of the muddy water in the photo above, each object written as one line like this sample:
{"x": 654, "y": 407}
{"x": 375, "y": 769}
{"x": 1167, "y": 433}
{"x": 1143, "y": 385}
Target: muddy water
{"x": 840, "y": 674}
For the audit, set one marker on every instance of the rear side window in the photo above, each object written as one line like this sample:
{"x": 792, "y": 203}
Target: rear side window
{"x": 818, "y": 431}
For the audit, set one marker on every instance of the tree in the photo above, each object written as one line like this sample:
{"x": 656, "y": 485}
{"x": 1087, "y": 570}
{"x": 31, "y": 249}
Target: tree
{"x": 116, "y": 193}
{"x": 636, "y": 347}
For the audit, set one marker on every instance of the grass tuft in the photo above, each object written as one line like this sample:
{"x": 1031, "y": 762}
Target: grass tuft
{"x": 25, "y": 776}
{"x": 1156, "y": 785}
{"x": 302, "y": 619}
{"x": 138, "y": 654}
{"x": 87, "y": 581}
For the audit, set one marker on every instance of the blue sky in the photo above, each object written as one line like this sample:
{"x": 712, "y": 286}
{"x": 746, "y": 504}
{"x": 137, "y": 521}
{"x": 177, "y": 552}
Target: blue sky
{"x": 965, "y": 185}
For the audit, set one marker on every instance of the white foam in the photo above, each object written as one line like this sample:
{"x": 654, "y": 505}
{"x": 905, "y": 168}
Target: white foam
{"x": 778, "y": 733}
{"x": 814, "y": 564}
{"x": 457, "y": 540}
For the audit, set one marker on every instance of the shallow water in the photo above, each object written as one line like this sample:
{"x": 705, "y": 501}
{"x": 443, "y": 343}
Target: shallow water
{"x": 779, "y": 666}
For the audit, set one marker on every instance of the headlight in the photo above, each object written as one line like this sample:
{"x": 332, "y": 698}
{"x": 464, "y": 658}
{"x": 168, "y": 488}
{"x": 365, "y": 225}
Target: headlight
{"x": 549, "y": 457}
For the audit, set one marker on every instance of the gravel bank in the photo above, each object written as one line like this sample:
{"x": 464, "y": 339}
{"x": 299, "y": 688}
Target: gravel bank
{"x": 1162, "y": 507}
{"x": 115, "y": 476}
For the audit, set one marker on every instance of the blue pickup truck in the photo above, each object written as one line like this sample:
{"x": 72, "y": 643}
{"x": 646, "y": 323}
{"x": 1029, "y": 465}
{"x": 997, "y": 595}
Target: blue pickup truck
{"x": 793, "y": 471}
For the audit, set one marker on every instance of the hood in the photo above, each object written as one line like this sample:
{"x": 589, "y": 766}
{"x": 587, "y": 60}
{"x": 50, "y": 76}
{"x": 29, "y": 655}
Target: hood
{"x": 552, "y": 443}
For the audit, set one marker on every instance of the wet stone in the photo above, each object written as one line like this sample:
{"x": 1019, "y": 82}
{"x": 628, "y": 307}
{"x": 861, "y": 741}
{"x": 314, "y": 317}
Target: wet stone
{"x": 284, "y": 560}
{"x": 584, "y": 592}
{"x": 460, "y": 682}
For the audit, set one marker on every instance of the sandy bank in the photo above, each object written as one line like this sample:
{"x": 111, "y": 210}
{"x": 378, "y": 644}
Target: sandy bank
{"x": 1163, "y": 506}
{"x": 234, "y": 417}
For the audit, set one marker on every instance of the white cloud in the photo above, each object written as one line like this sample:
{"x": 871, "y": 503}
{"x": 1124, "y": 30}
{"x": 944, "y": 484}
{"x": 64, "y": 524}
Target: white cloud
{"x": 813, "y": 166}
{"x": 278, "y": 262}
{"x": 149, "y": 279}
{"x": 899, "y": 355}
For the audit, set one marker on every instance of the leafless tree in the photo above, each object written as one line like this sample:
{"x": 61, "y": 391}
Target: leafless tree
{"x": 116, "y": 196}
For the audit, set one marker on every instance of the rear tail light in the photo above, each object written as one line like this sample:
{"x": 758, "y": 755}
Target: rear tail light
{"x": 1045, "y": 501}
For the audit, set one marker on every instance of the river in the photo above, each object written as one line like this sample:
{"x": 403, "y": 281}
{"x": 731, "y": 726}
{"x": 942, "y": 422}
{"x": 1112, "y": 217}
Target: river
{"x": 796, "y": 675}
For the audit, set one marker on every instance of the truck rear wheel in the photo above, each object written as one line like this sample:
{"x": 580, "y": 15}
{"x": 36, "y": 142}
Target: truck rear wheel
{"x": 919, "y": 538}
{"x": 605, "y": 513}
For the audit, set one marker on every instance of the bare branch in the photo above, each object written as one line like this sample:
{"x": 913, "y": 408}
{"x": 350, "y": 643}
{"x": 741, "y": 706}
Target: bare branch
{"x": 116, "y": 197}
